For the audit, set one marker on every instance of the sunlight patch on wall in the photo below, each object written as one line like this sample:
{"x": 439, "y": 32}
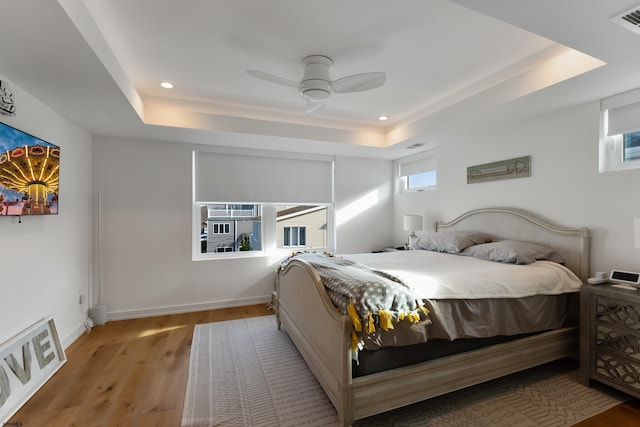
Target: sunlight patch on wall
{"x": 357, "y": 207}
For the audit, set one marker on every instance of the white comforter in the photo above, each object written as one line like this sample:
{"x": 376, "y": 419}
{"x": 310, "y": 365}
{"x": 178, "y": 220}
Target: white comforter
{"x": 436, "y": 275}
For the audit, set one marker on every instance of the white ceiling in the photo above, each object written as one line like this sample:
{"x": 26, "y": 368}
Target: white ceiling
{"x": 100, "y": 62}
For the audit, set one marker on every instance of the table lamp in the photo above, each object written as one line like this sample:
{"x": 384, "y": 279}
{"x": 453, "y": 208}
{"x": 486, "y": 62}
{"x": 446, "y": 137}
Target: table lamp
{"x": 412, "y": 223}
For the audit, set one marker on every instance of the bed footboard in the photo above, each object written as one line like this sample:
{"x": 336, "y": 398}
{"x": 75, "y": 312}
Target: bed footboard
{"x": 320, "y": 332}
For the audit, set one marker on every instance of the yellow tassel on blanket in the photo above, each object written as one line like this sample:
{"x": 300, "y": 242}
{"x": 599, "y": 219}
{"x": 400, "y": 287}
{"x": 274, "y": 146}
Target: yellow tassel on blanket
{"x": 371, "y": 325}
{"x": 357, "y": 324}
{"x": 413, "y": 316}
{"x": 355, "y": 340}
{"x": 386, "y": 319}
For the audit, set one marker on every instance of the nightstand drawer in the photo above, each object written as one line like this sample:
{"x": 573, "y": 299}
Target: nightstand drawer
{"x": 617, "y": 371}
{"x": 617, "y": 340}
{"x": 615, "y": 312}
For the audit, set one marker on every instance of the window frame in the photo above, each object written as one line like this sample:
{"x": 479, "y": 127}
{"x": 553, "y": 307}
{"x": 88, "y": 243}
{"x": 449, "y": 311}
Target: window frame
{"x": 268, "y": 236}
{"x": 427, "y": 162}
{"x": 611, "y": 149}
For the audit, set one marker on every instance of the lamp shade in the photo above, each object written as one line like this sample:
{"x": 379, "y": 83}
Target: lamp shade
{"x": 412, "y": 222}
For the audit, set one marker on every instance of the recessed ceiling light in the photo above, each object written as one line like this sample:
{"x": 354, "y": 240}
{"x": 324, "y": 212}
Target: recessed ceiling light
{"x": 167, "y": 85}
{"x": 383, "y": 118}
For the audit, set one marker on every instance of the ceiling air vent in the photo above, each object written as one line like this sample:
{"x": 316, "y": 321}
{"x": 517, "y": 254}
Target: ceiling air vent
{"x": 416, "y": 145}
{"x": 629, "y": 19}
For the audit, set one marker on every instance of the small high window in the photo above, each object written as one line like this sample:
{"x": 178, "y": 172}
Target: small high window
{"x": 418, "y": 172}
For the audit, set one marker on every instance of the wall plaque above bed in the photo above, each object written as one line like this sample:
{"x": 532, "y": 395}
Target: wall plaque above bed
{"x": 518, "y": 167}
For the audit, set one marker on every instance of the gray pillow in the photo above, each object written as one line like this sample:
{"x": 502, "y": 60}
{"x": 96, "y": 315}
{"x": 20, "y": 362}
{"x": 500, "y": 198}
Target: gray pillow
{"x": 513, "y": 252}
{"x": 452, "y": 242}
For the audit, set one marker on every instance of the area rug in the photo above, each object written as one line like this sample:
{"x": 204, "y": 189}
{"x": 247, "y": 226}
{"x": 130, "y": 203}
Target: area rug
{"x": 247, "y": 373}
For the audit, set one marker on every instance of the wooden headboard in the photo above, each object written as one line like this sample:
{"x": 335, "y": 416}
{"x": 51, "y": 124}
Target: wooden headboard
{"x": 513, "y": 224}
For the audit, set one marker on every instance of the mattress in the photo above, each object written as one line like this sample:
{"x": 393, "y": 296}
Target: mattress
{"x": 470, "y": 298}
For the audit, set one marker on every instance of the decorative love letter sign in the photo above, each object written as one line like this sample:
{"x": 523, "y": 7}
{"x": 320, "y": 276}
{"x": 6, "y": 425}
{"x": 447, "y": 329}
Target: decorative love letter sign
{"x": 27, "y": 361}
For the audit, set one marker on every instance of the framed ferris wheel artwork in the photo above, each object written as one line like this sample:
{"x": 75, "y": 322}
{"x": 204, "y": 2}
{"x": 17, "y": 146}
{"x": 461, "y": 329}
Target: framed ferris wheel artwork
{"x": 29, "y": 174}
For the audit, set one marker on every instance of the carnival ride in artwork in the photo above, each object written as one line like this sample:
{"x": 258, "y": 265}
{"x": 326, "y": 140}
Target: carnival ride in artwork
{"x": 32, "y": 173}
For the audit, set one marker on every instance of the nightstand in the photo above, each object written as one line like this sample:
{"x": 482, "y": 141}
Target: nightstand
{"x": 610, "y": 337}
{"x": 396, "y": 249}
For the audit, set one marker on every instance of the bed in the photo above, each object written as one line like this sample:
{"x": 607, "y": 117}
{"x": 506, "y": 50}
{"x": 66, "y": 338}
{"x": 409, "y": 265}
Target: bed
{"x": 324, "y": 336}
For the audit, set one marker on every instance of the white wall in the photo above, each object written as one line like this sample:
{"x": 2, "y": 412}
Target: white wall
{"x": 363, "y": 192}
{"x": 147, "y": 214}
{"x": 565, "y": 186}
{"x": 45, "y": 260}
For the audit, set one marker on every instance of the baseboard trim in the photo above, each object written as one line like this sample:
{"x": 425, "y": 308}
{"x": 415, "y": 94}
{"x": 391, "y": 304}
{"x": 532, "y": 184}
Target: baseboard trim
{"x": 184, "y": 308}
{"x": 73, "y": 336}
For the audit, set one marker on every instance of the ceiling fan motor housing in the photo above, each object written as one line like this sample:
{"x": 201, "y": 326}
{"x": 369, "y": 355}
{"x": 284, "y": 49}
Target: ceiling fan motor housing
{"x": 316, "y": 81}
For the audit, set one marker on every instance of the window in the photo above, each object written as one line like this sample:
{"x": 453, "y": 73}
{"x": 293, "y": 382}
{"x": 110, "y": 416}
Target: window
{"x": 252, "y": 218}
{"x": 295, "y": 236}
{"x": 239, "y": 228}
{"x": 619, "y": 144}
{"x": 220, "y": 228}
{"x": 418, "y": 172}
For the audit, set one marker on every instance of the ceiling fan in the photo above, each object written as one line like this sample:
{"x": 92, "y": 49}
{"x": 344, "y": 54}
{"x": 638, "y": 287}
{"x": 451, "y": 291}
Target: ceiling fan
{"x": 316, "y": 86}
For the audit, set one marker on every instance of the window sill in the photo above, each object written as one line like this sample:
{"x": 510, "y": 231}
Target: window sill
{"x": 278, "y": 253}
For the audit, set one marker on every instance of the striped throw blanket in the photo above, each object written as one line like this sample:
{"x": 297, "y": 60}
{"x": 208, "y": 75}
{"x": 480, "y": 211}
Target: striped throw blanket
{"x": 372, "y": 298}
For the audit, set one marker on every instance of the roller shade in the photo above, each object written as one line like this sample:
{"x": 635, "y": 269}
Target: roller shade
{"x": 623, "y": 112}
{"x": 235, "y": 178}
{"x": 413, "y": 167}
{"x": 624, "y": 119}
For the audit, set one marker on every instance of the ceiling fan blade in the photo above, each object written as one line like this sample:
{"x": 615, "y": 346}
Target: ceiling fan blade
{"x": 359, "y": 82}
{"x": 273, "y": 79}
{"x": 312, "y": 106}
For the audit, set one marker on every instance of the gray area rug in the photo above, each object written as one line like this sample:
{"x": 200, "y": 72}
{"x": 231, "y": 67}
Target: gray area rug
{"x": 247, "y": 373}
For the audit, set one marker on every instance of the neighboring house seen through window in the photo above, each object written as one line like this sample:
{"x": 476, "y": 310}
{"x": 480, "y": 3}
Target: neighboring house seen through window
{"x": 239, "y": 228}
{"x": 301, "y": 226}
{"x": 230, "y": 228}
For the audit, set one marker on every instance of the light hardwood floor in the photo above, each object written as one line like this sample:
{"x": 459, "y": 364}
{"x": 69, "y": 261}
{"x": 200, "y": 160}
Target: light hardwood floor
{"x": 134, "y": 373}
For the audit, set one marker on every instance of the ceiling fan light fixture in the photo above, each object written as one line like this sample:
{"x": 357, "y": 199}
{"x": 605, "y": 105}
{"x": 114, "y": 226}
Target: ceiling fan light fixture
{"x": 315, "y": 95}
{"x": 316, "y": 90}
